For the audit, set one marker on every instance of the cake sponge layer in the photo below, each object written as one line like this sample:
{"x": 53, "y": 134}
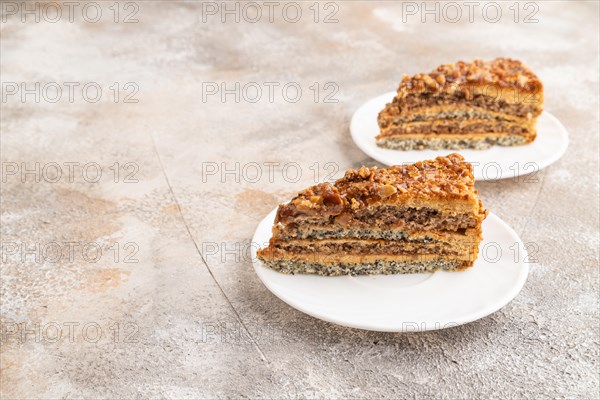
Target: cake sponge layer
{"x": 438, "y": 142}
{"x": 383, "y": 267}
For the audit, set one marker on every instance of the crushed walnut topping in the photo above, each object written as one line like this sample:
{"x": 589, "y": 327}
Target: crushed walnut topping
{"x": 501, "y": 72}
{"x": 447, "y": 177}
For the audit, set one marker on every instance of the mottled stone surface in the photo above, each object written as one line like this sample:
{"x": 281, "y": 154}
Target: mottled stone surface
{"x": 181, "y": 312}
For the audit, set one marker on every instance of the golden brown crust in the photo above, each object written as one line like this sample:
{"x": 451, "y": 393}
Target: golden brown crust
{"x": 445, "y": 182}
{"x": 501, "y": 72}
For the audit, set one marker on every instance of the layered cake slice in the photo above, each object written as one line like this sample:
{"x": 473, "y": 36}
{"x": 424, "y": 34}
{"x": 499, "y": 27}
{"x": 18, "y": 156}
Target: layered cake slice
{"x": 463, "y": 106}
{"x": 412, "y": 218}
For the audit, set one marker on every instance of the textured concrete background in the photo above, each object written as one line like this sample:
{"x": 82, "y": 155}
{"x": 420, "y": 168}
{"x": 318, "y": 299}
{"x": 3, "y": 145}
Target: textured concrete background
{"x": 177, "y": 311}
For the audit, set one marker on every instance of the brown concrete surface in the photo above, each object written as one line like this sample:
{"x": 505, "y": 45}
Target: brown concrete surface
{"x": 158, "y": 298}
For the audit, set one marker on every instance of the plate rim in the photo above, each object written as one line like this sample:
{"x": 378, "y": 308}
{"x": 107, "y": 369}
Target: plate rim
{"x": 370, "y": 151}
{"x": 505, "y": 300}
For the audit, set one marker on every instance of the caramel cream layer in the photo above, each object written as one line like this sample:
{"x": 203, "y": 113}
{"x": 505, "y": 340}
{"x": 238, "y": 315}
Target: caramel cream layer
{"x": 362, "y": 247}
{"x": 454, "y": 111}
{"x": 456, "y": 126}
{"x": 456, "y": 136}
{"x": 271, "y": 253}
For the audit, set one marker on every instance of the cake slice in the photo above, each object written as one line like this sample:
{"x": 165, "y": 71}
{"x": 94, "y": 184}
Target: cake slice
{"x": 464, "y": 106}
{"x": 411, "y": 218}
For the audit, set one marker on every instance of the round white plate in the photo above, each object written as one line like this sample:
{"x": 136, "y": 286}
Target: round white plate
{"x": 411, "y": 302}
{"x": 498, "y": 162}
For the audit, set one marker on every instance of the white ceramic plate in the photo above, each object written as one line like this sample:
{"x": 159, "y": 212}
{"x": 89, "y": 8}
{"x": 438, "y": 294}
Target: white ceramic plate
{"x": 412, "y": 302}
{"x": 498, "y": 162}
